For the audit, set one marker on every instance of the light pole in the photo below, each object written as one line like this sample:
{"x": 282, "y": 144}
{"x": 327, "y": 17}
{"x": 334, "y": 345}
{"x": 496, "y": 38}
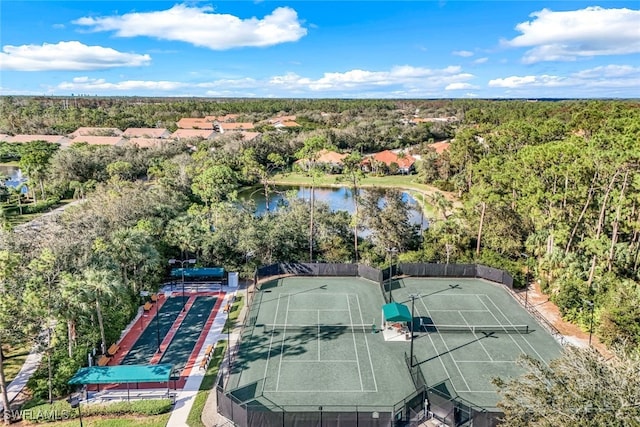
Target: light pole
{"x": 182, "y": 262}
{"x": 413, "y": 300}
{"x": 74, "y": 402}
{"x": 391, "y": 252}
{"x": 526, "y": 281}
{"x": 590, "y": 304}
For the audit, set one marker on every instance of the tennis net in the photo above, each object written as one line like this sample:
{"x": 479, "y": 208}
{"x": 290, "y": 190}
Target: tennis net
{"x": 486, "y": 329}
{"x": 319, "y": 328}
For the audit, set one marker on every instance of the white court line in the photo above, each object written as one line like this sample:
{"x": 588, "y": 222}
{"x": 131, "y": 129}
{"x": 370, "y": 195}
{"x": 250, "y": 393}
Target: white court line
{"x": 448, "y": 352}
{"x": 486, "y": 361}
{"x": 499, "y": 323}
{"x": 366, "y": 341}
{"x": 284, "y": 333}
{"x": 481, "y": 311}
{"x": 318, "y": 335}
{"x": 321, "y": 309}
{"x": 355, "y": 345}
{"x": 523, "y": 337}
{"x": 314, "y": 391}
{"x": 316, "y": 361}
{"x": 266, "y": 365}
{"x": 476, "y": 336}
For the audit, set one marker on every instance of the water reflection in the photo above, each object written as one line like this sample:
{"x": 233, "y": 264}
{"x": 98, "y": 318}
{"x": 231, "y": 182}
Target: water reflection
{"x": 13, "y": 176}
{"x": 338, "y": 199}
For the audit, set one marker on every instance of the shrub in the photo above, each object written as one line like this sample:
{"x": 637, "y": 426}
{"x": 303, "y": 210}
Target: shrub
{"x": 62, "y": 409}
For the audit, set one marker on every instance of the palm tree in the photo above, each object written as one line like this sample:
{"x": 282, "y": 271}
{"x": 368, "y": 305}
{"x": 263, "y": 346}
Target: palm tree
{"x": 100, "y": 285}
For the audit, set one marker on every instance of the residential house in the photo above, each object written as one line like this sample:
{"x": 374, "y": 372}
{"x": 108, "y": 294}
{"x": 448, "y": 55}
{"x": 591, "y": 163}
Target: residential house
{"x": 90, "y": 131}
{"x": 53, "y": 139}
{"x": 146, "y": 133}
{"x": 148, "y": 142}
{"x": 193, "y": 134}
{"x": 195, "y": 123}
{"x": 100, "y": 140}
{"x": 404, "y": 162}
{"x": 329, "y": 160}
{"x": 225, "y": 118}
{"x": 223, "y": 127}
{"x": 440, "y": 147}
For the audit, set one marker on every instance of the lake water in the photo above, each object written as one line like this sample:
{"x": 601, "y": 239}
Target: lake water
{"x": 339, "y": 199}
{"x": 14, "y": 175}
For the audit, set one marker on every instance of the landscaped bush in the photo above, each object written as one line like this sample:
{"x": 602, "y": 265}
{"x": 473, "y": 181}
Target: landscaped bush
{"x": 40, "y": 206}
{"x": 62, "y": 410}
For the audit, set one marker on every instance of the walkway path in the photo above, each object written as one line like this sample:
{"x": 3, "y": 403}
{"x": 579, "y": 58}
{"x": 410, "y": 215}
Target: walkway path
{"x": 20, "y": 381}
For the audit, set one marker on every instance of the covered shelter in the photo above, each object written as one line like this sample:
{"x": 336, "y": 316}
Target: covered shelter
{"x": 395, "y": 316}
{"x": 200, "y": 274}
{"x": 123, "y": 374}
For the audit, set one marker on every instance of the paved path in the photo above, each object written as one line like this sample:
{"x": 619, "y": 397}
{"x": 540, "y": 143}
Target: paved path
{"x": 20, "y": 381}
{"x": 185, "y": 397}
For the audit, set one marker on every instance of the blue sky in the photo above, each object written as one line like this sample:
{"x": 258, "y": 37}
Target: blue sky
{"x": 321, "y": 49}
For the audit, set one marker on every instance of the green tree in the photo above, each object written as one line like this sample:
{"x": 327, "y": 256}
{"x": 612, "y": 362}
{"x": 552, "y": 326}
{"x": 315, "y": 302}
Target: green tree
{"x": 581, "y": 388}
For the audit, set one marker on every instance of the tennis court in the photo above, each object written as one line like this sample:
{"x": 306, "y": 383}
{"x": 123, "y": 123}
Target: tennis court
{"x": 312, "y": 344}
{"x": 462, "y": 363}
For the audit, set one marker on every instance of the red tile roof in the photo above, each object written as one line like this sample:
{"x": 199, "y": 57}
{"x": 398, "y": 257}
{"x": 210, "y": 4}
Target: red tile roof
{"x": 193, "y": 133}
{"x": 99, "y": 140}
{"x": 194, "y": 123}
{"x": 440, "y": 146}
{"x": 387, "y": 157}
{"x": 326, "y": 156}
{"x": 146, "y": 133}
{"x": 86, "y": 131}
{"x": 54, "y": 139}
{"x": 235, "y": 126}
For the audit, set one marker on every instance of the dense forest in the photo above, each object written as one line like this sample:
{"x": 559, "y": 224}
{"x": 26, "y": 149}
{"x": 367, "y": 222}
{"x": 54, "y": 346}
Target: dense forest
{"x": 546, "y": 188}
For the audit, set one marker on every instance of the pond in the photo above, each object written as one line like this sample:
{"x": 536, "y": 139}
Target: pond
{"x": 338, "y": 199}
{"x": 13, "y": 175}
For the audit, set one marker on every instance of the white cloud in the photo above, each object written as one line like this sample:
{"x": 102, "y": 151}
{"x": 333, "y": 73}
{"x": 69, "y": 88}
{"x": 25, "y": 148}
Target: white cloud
{"x": 200, "y": 27}
{"x": 410, "y": 78}
{"x": 460, "y": 86}
{"x": 604, "y": 77}
{"x": 400, "y": 81}
{"x": 463, "y": 53}
{"x": 67, "y": 56}
{"x": 481, "y": 60}
{"x": 569, "y": 35}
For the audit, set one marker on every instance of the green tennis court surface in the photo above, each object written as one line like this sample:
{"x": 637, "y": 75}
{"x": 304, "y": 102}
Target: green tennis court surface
{"x": 188, "y": 333}
{"x": 147, "y": 344}
{"x": 286, "y": 359}
{"x": 463, "y": 363}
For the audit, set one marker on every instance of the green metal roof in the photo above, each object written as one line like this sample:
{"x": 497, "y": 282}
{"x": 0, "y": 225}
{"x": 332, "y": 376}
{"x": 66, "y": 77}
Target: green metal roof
{"x": 214, "y": 272}
{"x": 122, "y": 374}
{"x": 394, "y": 312}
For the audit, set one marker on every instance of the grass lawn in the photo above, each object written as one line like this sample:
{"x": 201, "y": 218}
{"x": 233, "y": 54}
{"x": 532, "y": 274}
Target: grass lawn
{"x": 14, "y": 358}
{"x": 420, "y": 192}
{"x": 130, "y": 421}
{"x": 208, "y": 383}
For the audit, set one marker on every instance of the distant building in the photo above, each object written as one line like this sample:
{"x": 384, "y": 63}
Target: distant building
{"x": 193, "y": 134}
{"x": 330, "y": 160}
{"x": 405, "y": 162}
{"x": 148, "y": 142}
{"x": 223, "y": 127}
{"x": 195, "y": 123}
{"x": 53, "y": 139}
{"x": 146, "y": 133}
{"x": 100, "y": 140}
{"x": 90, "y": 131}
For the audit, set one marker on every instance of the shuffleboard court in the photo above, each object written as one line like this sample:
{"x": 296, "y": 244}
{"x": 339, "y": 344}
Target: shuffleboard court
{"x": 147, "y": 344}
{"x": 188, "y": 333}
{"x": 462, "y": 364}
